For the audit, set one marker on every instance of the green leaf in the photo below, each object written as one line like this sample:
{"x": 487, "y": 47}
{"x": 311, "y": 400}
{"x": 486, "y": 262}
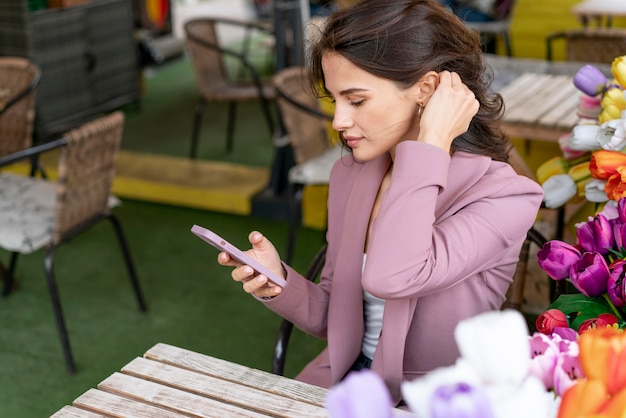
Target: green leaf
{"x": 580, "y": 308}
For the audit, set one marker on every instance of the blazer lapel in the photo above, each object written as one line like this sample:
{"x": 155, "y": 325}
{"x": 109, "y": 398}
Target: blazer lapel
{"x": 347, "y": 293}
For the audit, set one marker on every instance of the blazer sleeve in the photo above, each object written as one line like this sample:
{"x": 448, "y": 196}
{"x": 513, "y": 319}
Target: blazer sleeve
{"x": 415, "y": 251}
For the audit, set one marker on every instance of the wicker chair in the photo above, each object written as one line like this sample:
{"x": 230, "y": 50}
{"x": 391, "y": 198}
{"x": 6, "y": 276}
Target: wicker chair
{"x": 19, "y": 79}
{"x": 37, "y": 213}
{"x": 208, "y": 56}
{"x": 592, "y": 45}
{"x": 306, "y": 128}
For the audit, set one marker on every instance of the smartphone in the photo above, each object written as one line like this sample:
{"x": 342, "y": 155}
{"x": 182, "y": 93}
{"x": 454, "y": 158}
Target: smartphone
{"x": 222, "y": 245}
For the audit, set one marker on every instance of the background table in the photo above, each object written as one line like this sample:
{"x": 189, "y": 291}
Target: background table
{"x": 540, "y": 98}
{"x": 598, "y": 10}
{"x": 173, "y": 382}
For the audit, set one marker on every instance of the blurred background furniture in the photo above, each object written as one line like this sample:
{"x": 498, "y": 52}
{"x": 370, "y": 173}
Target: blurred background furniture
{"x": 306, "y": 127}
{"x": 87, "y": 55}
{"x": 37, "y": 213}
{"x": 216, "y": 81}
{"x": 499, "y": 26}
{"x": 599, "y": 11}
{"x": 588, "y": 45}
{"x": 19, "y": 78}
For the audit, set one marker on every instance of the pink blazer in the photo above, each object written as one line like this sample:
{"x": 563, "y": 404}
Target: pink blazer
{"x": 444, "y": 247}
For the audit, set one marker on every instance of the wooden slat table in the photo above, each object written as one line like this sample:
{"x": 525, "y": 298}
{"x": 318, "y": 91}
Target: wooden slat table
{"x": 173, "y": 382}
{"x": 540, "y": 98}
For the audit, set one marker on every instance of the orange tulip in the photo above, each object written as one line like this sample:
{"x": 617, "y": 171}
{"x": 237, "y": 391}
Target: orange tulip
{"x": 603, "y": 357}
{"x": 605, "y": 163}
{"x": 615, "y": 187}
{"x": 583, "y": 399}
{"x": 616, "y": 406}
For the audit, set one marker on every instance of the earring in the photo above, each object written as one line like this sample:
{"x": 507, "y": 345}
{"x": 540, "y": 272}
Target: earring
{"x": 420, "y": 110}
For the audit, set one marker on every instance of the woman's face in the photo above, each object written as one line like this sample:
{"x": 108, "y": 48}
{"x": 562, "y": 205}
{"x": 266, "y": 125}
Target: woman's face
{"x": 372, "y": 114}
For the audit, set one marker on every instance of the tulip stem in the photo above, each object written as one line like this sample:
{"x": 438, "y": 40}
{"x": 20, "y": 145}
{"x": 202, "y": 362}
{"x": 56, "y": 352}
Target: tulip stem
{"x": 613, "y": 307}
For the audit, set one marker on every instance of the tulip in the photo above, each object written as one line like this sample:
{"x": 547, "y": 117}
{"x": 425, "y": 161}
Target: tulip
{"x": 569, "y": 153}
{"x": 612, "y": 135}
{"x": 566, "y": 372}
{"x": 603, "y": 357}
{"x": 604, "y": 164}
{"x": 615, "y": 187}
{"x": 459, "y": 401}
{"x": 555, "y": 258}
{"x": 551, "y": 167}
{"x": 585, "y": 137}
{"x": 360, "y": 394}
{"x": 594, "y": 191}
{"x": 609, "y": 112}
{"x": 543, "y": 356}
{"x": 602, "y": 321}
{"x": 616, "y": 283}
{"x": 618, "y": 69}
{"x": 496, "y": 345}
{"x": 550, "y": 319}
{"x": 558, "y": 190}
{"x": 619, "y": 233}
{"x": 566, "y": 333}
{"x": 582, "y": 399}
{"x": 590, "y": 275}
{"x": 621, "y": 210}
{"x": 615, "y": 406}
{"x": 589, "y": 107}
{"x": 590, "y": 80}
{"x": 596, "y": 235}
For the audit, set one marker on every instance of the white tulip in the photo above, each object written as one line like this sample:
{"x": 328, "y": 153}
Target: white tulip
{"x": 558, "y": 190}
{"x": 594, "y": 191}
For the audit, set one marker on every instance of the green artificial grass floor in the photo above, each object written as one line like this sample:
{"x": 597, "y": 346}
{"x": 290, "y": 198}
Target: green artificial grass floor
{"x": 192, "y": 301}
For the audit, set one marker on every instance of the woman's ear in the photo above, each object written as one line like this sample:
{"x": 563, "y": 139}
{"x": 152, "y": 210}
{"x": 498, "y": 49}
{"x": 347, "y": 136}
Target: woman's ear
{"x": 426, "y": 86}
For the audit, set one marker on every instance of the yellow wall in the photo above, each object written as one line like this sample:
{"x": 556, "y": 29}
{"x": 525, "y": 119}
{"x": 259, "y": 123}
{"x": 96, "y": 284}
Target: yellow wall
{"x": 533, "y": 20}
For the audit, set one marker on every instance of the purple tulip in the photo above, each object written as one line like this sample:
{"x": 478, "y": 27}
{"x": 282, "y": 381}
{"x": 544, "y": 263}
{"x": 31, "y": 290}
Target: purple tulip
{"x": 543, "y": 354}
{"x": 590, "y": 80}
{"x": 621, "y": 209}
{"x": 460, "y": 401}
{"x": 619, "y": 233}
{"x": 596, "y": 235}
{"x": 566, "y": 333}
{"x": 556, "y": 257}
{"x": 590, "y": 275}
{"x": 615, "y": 284}
{"x": 361, "y": 394}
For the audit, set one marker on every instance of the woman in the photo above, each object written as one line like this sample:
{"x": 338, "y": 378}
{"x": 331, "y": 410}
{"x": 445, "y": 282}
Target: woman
{"x": 425, "y": 217}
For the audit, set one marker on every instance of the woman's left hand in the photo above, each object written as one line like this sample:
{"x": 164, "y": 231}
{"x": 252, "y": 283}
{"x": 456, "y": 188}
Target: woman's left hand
{"x": 448, "y": 111}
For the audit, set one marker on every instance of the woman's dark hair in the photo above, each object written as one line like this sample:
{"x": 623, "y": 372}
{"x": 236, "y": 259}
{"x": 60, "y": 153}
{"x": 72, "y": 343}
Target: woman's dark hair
{"x": 401, "y": 40}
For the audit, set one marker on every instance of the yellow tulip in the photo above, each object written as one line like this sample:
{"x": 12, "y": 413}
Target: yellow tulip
{"x": 618, "y": 69}
{"x": 555, "y": 165}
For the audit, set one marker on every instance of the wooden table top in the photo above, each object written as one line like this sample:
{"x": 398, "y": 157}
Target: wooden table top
{"x": 172, "y": 382}
{"x": 540, "y": 98}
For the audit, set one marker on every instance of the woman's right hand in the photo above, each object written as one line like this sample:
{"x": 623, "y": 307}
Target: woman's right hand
{"x": 265, "y": 253}
{"x": 448, "y": 112}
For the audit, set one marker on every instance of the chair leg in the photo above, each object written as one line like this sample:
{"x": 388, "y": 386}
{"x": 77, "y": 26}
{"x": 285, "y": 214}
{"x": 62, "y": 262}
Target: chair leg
{"x": 129, "y": 262}
{"x": 197, "y": 120}
{"x": 230, "y": 127}
{"x": 9, "y": 277}
{"x": 58, "y": 312}
{"x": 280, "y": 349}
{"x": 295, "y": 203}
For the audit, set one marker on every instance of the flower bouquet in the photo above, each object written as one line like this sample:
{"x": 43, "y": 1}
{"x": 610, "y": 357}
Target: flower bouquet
{"x": 503, "y": 372}
{"x": 596, "y": 267}
{"x": 593, "y": 161}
